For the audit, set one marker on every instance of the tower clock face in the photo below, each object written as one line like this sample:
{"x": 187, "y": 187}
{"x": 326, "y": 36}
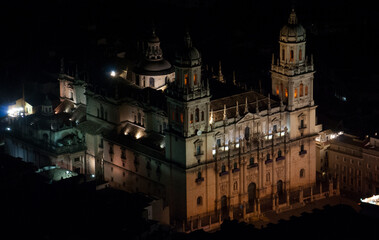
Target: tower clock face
{"x": 198, "y": 132}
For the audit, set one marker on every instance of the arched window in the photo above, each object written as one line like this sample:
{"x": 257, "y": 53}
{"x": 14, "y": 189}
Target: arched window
{"x": 295, "y": 94}
{"x": 306, "y": 90}
{"x": 268, "y": 156}
{"x": 283, "y": 55}
{"x": 251, "y": 190}
{"x": 197, "y": 112}
{"x": 199, "y": 175}
{"x": 277, "y": 89}
{"x": 151, "y": 82}
{"x": 223, "y": 168}
{"x": 279, "y": 187}
{"x": 300, "y": 55}
{"x": 235, "y": 165}
{"x": 247, "y": 133}
{"x": 279, "y": 153}
{"x": 199, "y": 200}
{"x": 202, "y": 115}
{"x": 186, "y": 79}
{"x": 251, "y": 162}
{"x": 195, "y": 79}
{"x": 173, "y": 115}
{"x": 286, "y": 93}
{"x": 191, "y": 119}
{"x": 291, "y": 56}
{"x": 302, "y": 173}
{"x": 139, "y": 118}
{"x": 181, "y": 118}
{"x": 301, "y": 89}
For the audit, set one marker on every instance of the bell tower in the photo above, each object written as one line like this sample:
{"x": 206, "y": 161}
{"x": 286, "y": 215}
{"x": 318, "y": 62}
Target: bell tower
{"x": 189, "y": 96}
{"x": 188, "y": 139}
{"x": 293, "y": 72}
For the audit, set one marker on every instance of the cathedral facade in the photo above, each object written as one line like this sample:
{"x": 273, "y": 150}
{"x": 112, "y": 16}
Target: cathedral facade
{"x": 230, "y": 157}
{"x": 164, "y": 133}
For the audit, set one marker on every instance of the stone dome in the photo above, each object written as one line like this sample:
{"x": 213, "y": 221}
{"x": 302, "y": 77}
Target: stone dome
{"x": 188, "y": 55}
{"x": 293, "y": 31}
{"x": 153, "y": 38}
{"x": 155, "y": 66}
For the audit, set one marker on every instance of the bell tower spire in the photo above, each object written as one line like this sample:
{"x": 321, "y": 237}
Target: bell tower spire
{"x": 292, "y": 77}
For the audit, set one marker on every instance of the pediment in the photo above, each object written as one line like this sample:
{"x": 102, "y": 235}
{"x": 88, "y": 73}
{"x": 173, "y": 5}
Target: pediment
{"x": 248, "y": 117}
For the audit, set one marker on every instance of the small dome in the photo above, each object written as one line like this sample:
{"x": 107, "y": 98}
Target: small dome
{"x": 293, "y": 31}
{"x": 153, "y": 38}
{"x": 155, "y": 66}
{"x": 188, "y": 55}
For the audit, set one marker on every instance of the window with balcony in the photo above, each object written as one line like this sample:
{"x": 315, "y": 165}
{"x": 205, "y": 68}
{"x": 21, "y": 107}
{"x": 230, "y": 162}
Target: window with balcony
{"x": 235, "y": 168}
{"x": 199, "y": 178}
{"x": 223, "y": 170}
{"x": 302, "y": 150}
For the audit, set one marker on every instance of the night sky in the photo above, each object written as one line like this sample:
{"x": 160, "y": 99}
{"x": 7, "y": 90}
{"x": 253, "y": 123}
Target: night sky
{"x": 342, "y": 36}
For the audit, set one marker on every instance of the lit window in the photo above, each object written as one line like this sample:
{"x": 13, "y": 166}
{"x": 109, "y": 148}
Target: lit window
{"x": 277, "y": 89}
{"x": 181, "y": 118}
{"x": 195, "y": 79}
{"x": 185, "y": 79}
{"x": 295, "y": 94}
{"x": 191, "y": 119}
{"x": 286, "y": 93}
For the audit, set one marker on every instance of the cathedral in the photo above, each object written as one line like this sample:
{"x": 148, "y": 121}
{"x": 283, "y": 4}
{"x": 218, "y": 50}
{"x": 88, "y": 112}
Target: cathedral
{"x": 160, "y": 130}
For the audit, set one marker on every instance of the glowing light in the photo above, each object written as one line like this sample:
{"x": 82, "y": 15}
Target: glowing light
{"x": 93, "y": 175}
{"x": 371, "y": 200}
{"x": 282, "y": 134}
{"x": 113, "y": 73}
{"x": 237, "y": 145}
{"x": 138, "y": 135}
{"x": 340, "y": 133}
{"x": 226, "y": 148}
{"x": 14, "y": 112}
{"x": 162, "y": 145}
{"x": 8, "y": 128}
{"x": 213, "y": 151}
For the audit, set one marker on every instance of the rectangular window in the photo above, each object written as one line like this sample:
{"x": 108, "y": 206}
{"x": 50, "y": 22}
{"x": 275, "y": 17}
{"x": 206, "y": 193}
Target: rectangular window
{"x": 198, "y": 149}
{"x": 218, "y": 142}
{"x": 123, "y": 153}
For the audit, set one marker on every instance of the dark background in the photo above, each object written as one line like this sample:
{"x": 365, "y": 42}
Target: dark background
{"x": 342, "y": 36}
